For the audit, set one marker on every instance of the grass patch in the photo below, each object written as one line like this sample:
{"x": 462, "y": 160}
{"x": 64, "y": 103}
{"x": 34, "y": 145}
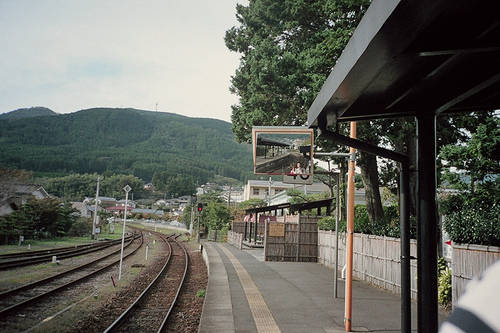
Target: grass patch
{"x": 201, "y": 293}
{"x": 45, "y": 244}
{"x": 166, "y": 231}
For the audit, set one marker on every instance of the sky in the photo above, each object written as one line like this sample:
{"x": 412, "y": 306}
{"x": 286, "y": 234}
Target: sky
{"x": 70, "y": 55}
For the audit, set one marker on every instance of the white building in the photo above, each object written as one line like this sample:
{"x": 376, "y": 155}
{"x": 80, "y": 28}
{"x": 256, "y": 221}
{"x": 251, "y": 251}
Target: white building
{"x": 207, "y": 188}
{"x": 234, "y": 195}
{"x": 282, "y": 197}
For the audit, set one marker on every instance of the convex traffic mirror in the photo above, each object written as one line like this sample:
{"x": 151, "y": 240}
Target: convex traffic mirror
{"x": 283, "y": 151}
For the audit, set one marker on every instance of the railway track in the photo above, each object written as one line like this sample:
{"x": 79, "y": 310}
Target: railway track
{"x": 26, "y": 298}
{"x": 150, "y": 311}
{"x": 20, "y": 259}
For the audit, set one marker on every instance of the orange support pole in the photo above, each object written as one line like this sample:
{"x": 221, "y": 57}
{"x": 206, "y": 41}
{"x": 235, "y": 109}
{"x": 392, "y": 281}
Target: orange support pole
{"x": 350, "y": 234}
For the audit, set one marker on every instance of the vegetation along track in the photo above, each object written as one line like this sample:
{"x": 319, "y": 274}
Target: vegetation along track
{"x": 151, "y": 310}
{"x": 19, "y": 259}
{"x": 26, "y": 298}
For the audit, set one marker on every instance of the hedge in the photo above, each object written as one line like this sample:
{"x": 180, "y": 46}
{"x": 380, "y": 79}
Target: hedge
{"x": 362, "y": 224}
{"x": 473, "y": 219}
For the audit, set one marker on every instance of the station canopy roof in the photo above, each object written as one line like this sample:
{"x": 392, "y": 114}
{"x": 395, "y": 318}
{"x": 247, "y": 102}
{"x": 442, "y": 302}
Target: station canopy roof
{"x": 271, "y": 142}
{"x": 411, "y": 57}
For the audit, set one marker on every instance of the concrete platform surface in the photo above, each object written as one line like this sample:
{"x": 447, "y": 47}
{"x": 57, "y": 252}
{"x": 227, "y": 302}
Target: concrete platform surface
{"x": 288, "y": 297}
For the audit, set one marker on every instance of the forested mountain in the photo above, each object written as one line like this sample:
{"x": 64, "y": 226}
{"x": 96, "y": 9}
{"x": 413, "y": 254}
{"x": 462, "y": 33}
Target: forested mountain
{"x": 27, "y": 113}
{"x": 146, "y": 144}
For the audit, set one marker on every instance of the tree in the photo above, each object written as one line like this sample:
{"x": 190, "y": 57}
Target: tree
{"x": 475, "y": 162}
{"x": 43, "y": 218}
{"x": 186, "y": 215}
{"x": 216, "y": 216}
{"x": 113, "y": 186}
{"x": 251, "y": 203}
{"x": 473, "y": 167}
{"x": 288, "y": 49}
{"x": 238, "y": 212}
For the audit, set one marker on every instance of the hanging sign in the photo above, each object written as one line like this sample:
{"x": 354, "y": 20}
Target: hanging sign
{"x": 276, "y": 229}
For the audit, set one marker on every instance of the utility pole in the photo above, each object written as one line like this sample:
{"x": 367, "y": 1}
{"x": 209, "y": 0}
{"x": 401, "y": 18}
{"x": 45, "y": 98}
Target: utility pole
{"x": 94, "y": 222}
{"x": 192, "y": 217}
{"x": 337, "y": 219}
{"x": 126, "y": 189}
{"x": 269, "y": 192}
{"x": 198, "y": 231}
{"x": 350, "y": 233}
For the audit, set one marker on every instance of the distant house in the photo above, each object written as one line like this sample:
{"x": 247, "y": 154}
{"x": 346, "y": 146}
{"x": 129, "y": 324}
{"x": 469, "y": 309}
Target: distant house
{"x": 160, "y": 203}
{"x": 82, "y": 208}
{"x": 14, "y": 195}
{"x": 158, "y": 212}
{"x": 148, "y": 186}
{"x": 259, "y": 189}
{"x": 207, "y": 188}
{"x": 103, "y": 201}
{"x": 233, "y": 194}
{"x": 130, "y": 203}
{"x": 184, "y": 201}
{"x": 117, "y": 209}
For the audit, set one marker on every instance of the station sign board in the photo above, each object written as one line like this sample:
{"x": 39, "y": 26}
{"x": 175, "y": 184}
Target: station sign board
{"x": 276, "y": 229}
{"x": 283, "y": 150}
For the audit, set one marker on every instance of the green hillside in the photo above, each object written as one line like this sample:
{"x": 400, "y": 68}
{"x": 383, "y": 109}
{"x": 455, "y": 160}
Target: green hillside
{"x": 36, "y": 111}
{"x": 143, "y": 143}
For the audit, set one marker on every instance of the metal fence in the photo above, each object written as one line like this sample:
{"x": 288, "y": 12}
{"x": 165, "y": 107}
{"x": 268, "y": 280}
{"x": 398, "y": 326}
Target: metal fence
{"x": 376, "y": 259}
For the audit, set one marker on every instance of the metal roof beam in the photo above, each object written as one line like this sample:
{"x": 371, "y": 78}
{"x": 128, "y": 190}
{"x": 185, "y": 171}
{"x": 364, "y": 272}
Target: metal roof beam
{"x": 457, "y": 51}
{"x": 471, "y": 92}
{"x": 364, "y": 146}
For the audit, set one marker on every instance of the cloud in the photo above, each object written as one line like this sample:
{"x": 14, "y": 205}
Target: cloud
{"x": 71, "y": 55}
{"x": 97, "y": 68}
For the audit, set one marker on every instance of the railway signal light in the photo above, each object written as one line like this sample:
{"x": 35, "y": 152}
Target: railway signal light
{"x": 200, "y": 207}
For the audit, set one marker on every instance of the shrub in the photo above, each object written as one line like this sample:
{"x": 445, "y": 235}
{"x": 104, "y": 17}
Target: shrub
{"x": 444, "y": 287}
{"x": 82, "y": 227}
{"x": 442, "y": 265}
{"x": 362, "y": 224}
{"x": 328, "y": 223}
{"x": 473, "y": 219}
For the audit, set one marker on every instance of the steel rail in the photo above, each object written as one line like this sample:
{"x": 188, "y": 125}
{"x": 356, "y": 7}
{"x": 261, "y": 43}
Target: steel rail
{"x": 24, "y": 303}
{"x": 35, "y": 253}
{"x": 186, "y": 267}
{"x": 48, "y": 257}
{"x": 58, "y": 275}
{"x": 125, "y": 313}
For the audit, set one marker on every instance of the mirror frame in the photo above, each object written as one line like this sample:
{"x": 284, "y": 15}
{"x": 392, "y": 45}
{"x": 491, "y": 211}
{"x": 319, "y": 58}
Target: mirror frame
{"x": 281, "y": 130}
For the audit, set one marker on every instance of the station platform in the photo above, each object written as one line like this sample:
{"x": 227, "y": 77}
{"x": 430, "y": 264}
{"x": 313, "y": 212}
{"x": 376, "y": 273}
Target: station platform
{"x": 246, "y": 294}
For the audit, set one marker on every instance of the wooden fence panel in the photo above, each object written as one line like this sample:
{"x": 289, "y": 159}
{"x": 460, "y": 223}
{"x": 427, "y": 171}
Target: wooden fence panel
{"x": 235, "y": 239}
{"x": 376, "y": 259}
{"x": 238, "y": 227}
{"x": 299, "y": 243}
{"x": 468, "y": 262}
{"x": 308, "y": 244}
